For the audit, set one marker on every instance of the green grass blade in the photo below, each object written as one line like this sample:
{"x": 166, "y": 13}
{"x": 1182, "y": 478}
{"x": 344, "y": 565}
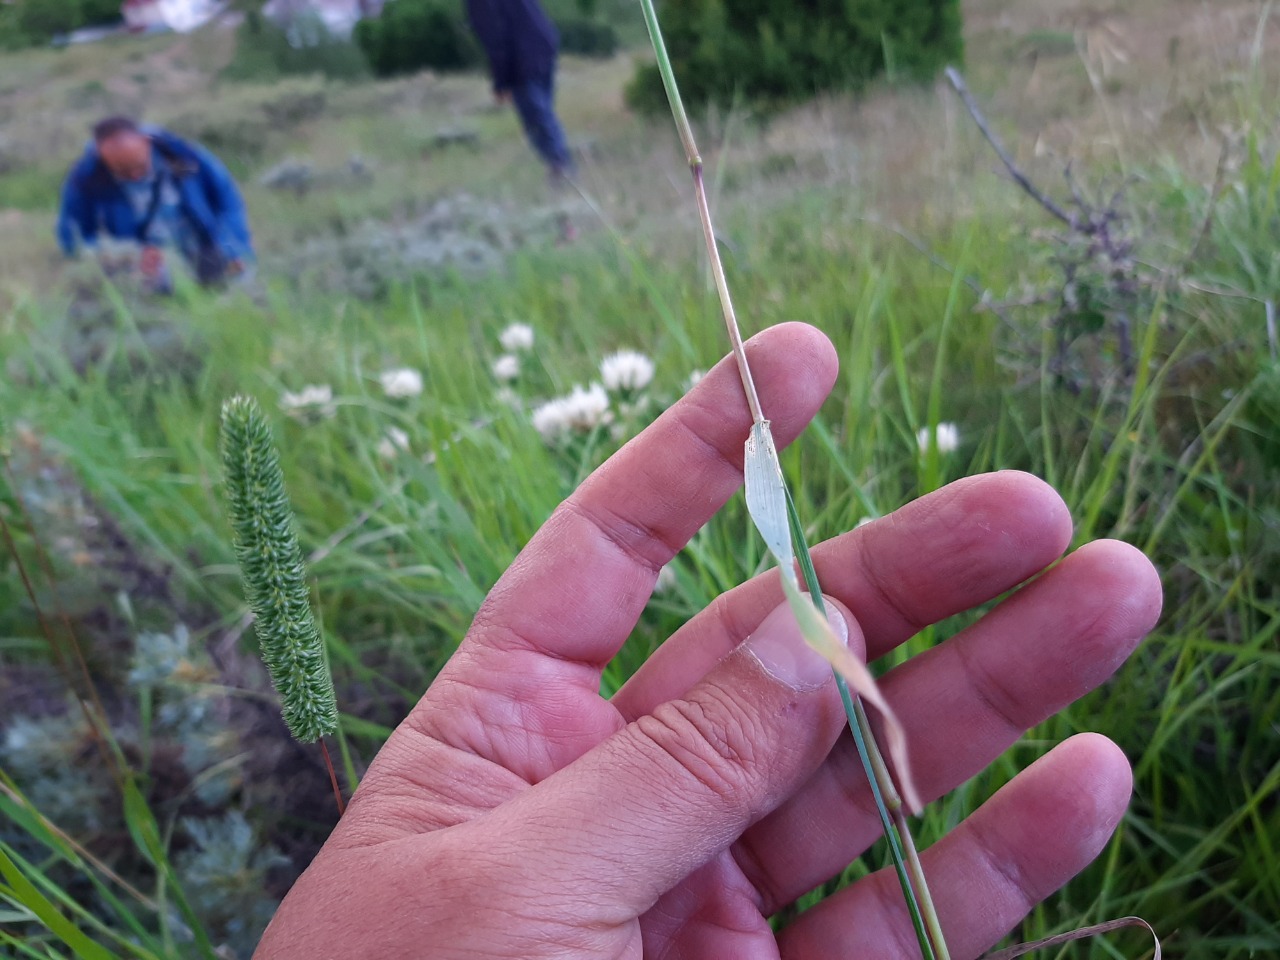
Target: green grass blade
{"x": 25, "y": 892}
{"x": 857, "y": 723}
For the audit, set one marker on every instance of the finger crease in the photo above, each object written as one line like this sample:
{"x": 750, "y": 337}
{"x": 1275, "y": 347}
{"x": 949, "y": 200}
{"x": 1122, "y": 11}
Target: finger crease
{"x": 1006, "y": 870}
{"x": 990, "y": 693}
{"x": 882, "y": 591}
{"x": 627, "y": 535}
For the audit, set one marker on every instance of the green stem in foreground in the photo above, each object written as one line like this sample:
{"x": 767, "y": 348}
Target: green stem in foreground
{"x": 704, "y": 211}
{"x": 893, "y": 821}
{"x": 906, "y": 862}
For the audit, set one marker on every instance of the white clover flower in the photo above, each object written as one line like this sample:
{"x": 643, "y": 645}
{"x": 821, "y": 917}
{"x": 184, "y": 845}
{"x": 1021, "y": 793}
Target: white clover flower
{"x": 587, "y": 408}
{"x": 695, "y": 378}
{"x": 550, "y": 419}
{"x": 395, "y": 441}
{"x": 401, "y": 382}
{"x": 517, "y": 336}
{"x": 584, "y": 409}
{"x": 506, "y": 368}
{"x": 948, "y": 438}
{"x": 508, "y": 398}
{"x": 626, "y": 370}
{"x": 314, "y": 400}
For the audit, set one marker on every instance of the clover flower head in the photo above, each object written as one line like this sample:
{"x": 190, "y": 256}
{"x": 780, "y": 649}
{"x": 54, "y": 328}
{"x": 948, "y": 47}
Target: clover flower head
{"x": 584, "y": 409}
{"x": 401, "y": 382}
{"x": 948, "y": 437}
{"x": 626, "y": 370}
{"x": 517, "y": 336}
{"x": 313, "y": 400}
{"x": 392, "y": 443}
{"x": 506, "y": 368}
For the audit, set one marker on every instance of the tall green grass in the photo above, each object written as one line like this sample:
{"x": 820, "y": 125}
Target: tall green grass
{"x": 1182, "y": 461}
{"x": 1172, "y": 462}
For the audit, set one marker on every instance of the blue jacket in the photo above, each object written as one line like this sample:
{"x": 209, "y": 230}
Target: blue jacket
{"x": 93, "y": 201}
{"x": 518, "y": 38}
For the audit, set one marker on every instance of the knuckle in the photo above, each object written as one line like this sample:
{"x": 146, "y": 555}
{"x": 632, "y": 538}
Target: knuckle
{"x": 711, "y": 743}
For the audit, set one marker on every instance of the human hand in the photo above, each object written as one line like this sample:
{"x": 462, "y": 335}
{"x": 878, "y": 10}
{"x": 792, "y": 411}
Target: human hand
{"x": 151, "y": 261}
{"x": 517, "y": 814}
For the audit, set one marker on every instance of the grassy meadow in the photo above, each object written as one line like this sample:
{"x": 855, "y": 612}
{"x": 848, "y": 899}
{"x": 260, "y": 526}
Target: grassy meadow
{"x": 1141, "y": 380}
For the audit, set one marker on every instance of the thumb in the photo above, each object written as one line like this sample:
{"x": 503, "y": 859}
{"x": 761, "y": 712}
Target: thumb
{"x": 634, "y": 816}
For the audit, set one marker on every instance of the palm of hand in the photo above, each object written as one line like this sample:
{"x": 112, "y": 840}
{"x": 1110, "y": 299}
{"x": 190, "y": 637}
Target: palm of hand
{"x": 516, "y": 813}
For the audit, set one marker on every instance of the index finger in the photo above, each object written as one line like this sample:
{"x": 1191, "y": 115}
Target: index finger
{"x": 529, "y": 670}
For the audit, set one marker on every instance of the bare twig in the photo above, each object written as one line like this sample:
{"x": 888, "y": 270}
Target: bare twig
{"x": 1095, "y": 255}
{"x": 957, "y": 82}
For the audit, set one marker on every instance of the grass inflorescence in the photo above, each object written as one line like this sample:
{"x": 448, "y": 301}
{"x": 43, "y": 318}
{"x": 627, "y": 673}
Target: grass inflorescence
{"x": 273, "y": 571}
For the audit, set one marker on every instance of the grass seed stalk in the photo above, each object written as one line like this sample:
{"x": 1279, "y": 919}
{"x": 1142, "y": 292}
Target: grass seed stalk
{"x": 773, "y": 511}
{"x": 274, "y": 574}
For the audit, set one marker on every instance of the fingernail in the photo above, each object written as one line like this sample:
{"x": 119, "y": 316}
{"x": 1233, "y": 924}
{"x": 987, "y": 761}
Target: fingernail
{"x": 779, "y": 647}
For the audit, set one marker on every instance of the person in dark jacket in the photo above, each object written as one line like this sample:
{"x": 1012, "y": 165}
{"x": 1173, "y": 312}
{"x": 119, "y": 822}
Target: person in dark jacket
{"x": 521, "y": 44}
{"x": 150, "y": 187}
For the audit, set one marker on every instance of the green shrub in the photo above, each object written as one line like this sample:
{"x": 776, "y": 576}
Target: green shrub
{"x": 42, "y": 19}
{"x": 97, "y": 12}
{"x": 774, "y": 50}
{"x": 588, "y": 38}
{"x": 265, "y": 51}
{"x": 416, "y": 35}
{"x": 11, "y": 35}
{"x": 29, "y": 23}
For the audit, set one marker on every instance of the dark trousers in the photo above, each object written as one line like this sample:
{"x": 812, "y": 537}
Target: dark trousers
{"x": 535, "y": 102}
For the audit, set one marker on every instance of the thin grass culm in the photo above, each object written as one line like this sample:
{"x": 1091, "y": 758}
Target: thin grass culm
{"x": 773, "y": 511}
{"x": 274, "y": 575}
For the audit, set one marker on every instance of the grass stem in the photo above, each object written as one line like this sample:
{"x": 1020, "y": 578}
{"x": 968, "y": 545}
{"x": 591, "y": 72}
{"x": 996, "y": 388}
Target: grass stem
{"x": 906, "y": 860}
{"x": 333, "y": 778}
{"x": 704, "y": 210}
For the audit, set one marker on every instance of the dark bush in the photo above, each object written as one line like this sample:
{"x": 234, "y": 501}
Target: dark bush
{"x": 28, "y": 23}
{"x": 416, "y": 35}
{"x": 777, "y": 50}
{"x": 41, "y": 20}
{"x": 98, "y": 12}
{"x": 587, "y": 38}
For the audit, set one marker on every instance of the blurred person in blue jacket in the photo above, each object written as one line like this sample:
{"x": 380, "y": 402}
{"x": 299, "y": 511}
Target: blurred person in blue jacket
{"x": 145, "y": 185}
{"x": 521, "y": 44}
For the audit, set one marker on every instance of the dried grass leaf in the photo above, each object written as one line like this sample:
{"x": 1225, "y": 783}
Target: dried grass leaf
{"x": 1097, "y": 929}
{"x": 767, "y": 504}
